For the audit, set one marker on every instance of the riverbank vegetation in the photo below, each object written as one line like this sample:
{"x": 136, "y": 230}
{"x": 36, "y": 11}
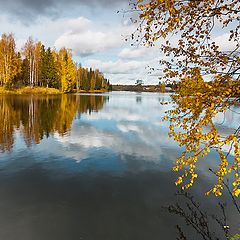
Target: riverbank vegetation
{"x": 35, "y": 66}
{"x": 30, "y": 90}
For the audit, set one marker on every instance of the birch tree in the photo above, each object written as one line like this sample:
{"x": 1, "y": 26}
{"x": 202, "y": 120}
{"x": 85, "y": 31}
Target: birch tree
{"x": 9, "y": 60}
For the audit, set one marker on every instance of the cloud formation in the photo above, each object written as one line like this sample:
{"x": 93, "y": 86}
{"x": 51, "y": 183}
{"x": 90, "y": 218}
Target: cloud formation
{"x": 88, "y": 42}
{"x": 96, "y": 38}
{"x": 31, "y": 9}
{"x": 117, "y": 67}
{"x": 85, "y": 38}
{"x": 131, "y": 53}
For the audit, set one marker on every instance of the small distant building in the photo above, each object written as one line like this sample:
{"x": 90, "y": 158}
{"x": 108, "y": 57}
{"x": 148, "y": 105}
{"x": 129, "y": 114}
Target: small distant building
{"x": 139, "y": 82}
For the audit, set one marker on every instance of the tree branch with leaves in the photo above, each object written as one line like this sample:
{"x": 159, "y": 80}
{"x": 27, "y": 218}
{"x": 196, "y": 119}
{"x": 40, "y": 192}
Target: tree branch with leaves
{"x": 207, "y": 76}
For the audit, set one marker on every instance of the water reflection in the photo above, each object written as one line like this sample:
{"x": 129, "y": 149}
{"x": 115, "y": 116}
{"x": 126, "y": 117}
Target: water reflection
{"x": 90, "y": 167}
{"x": 139, "y": 99}
{"x": 38, "y": 117}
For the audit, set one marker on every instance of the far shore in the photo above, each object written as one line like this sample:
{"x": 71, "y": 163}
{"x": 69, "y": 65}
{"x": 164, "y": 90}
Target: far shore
{"x": 54, "y": 91}
{"x": 141, "y": 88}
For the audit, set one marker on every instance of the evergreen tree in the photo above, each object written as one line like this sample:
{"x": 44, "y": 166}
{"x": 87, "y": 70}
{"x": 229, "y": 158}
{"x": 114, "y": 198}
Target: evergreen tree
{"x": 98, "y": 83}
{"x": 17, "y": 80}
{"x": 24, "y": 76}
{"x": 85, "y": 80}
{"x": 49, "y": 76}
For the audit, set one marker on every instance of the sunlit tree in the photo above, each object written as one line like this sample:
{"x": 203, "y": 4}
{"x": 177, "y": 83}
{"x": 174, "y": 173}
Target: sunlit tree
{"x": 36, "y": 66}
{"x": 33, "y": 57}
{"x": 9, "y": 60}
{"x": 67, "y": 70}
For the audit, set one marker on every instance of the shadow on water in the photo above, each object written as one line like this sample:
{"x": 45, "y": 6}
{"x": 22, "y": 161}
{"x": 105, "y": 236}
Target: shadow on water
{"x": 92, "y": 167}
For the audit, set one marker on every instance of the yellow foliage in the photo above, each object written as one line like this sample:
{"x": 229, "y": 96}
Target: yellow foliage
{"x": 194, "y": 56}
{"x": 197, "y": 105}
{"x": 67, "y": 70}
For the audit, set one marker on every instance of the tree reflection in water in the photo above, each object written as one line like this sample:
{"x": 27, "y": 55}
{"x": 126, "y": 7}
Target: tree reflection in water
{"x": 36, "y": 117}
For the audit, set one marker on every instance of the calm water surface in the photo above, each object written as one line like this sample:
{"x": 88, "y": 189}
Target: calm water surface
{"x": 93, "y": 167}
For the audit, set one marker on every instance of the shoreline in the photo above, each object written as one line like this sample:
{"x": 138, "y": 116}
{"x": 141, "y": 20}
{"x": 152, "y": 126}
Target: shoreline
{"x": 54, "y": 91}
{"x": 30, "y": 90}
{"x": 41, "y": 91}
{"x": 141, "y": 88}
{"x": 92, "y": 91}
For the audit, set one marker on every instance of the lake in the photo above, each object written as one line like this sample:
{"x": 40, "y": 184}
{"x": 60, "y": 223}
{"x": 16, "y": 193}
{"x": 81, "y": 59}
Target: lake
{"x": 95, "y": 167}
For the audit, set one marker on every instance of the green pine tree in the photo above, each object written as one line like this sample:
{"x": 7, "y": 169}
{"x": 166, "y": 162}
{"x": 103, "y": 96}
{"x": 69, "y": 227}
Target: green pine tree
{"x": 49, "y": 76}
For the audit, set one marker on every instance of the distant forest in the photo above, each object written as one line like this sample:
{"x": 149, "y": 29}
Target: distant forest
{"x": 37, "y": 66}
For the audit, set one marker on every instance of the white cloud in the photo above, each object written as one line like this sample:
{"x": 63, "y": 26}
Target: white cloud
{"x": 223, "y": 42}
{"x": 84, "y": 38}
{"x": 120, "y": 63}
{"x": 130, "y": 53}
{"x": 78, "y": 25}
{"x": 117, "y": 67}
{"x": 87, "y": 42}
{"x": 128, "y": 71}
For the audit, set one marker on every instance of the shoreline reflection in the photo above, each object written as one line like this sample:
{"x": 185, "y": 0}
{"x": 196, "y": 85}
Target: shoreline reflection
{"x": 37, "y": 117}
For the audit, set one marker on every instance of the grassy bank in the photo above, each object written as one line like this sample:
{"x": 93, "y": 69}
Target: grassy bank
{"x": 93, "y": 91}
{"x": 30, "y": 90}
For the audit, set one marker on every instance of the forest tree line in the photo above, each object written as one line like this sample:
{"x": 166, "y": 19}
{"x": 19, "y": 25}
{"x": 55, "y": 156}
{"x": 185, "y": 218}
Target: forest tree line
{"x": 37, "y": 66}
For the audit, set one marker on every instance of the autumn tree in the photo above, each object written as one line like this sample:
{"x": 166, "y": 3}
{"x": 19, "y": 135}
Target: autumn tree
{"x": 37, "y": 63}
{"x": 32, "y": 53}
{"x": 67, "y": 70}
{"x": 28, "y": 53}
{"x": 9, "y": 60}
{"x": 207, "y": 76}
{"x": 90, "y": 80}
{"x": 35, "y": 66}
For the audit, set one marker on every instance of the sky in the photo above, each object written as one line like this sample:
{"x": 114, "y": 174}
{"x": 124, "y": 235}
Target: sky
{"x": 95, "y": 30}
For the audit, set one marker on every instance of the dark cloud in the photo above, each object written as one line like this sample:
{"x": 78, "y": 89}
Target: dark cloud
{"x": 26, "y": 10}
